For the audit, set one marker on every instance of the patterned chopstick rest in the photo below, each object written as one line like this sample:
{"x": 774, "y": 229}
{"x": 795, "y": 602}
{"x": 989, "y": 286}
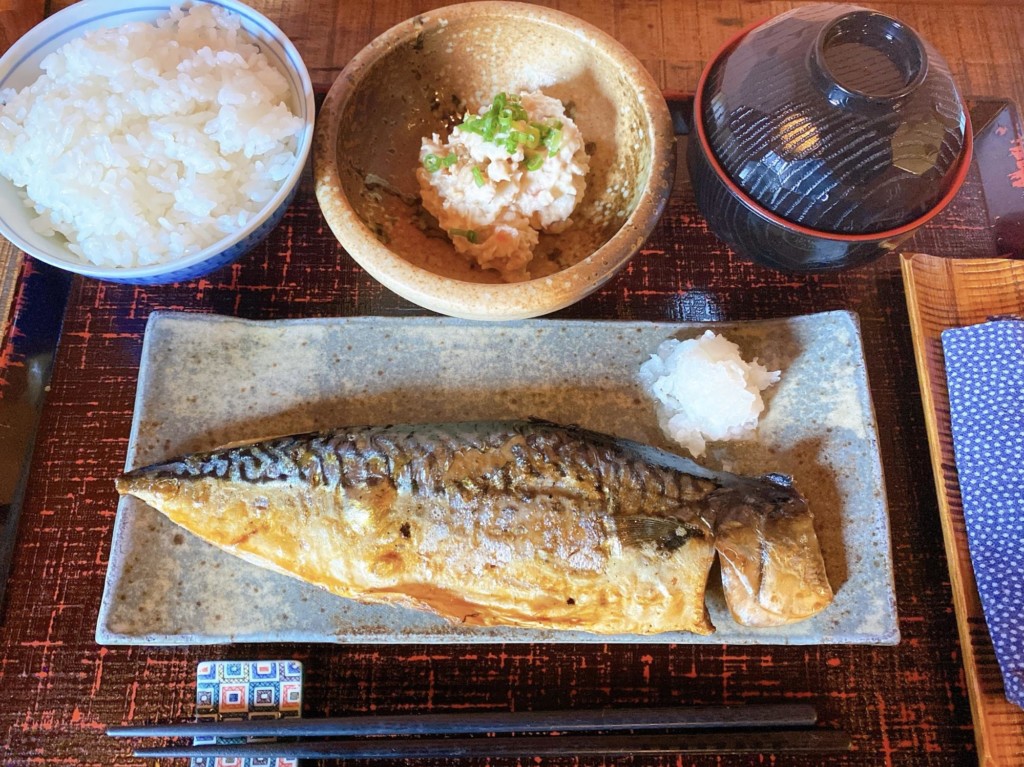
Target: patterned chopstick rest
{"x": 985, "y": 377}
{"x": 234, "y": 690}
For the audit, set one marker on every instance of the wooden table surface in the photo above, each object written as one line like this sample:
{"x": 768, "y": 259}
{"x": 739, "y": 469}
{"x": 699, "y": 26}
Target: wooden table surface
{"x": 981, "y": 39}
{"x": 903, "y": 705}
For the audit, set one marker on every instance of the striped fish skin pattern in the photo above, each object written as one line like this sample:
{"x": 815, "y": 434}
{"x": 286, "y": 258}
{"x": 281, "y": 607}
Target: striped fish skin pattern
{"x": 414, "y": 459}
{"x": 522, "y": 523}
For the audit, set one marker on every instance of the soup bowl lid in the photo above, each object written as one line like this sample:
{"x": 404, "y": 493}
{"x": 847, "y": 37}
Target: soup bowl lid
{"x": 836, "y": 118}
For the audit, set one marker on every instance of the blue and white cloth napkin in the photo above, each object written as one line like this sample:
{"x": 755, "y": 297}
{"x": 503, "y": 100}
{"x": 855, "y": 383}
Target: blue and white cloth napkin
{"x": 985, "y": 377}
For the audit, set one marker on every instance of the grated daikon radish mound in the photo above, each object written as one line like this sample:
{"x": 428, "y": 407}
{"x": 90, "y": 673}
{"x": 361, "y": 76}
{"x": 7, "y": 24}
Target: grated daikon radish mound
{"x": 705, "y": 391}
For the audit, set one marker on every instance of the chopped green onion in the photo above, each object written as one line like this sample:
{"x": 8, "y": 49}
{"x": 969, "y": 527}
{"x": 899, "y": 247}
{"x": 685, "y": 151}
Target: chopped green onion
{"x": 553, "y": 139}
{"x": 498, "y": 123}
{"x": 489, "y": 126}
{"x": 449, "y": 160}
{"x": 478, "y": 176}
{"x": 469, "y": 234}
{"x": 534, "y": 161}
{"x": 530, "y": 137}
{"x": 431, "y": 162}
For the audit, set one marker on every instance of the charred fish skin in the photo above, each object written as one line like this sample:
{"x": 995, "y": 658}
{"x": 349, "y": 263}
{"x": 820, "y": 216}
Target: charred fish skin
{"x": 418, "y": 460}
{"x": 522, "y": 523}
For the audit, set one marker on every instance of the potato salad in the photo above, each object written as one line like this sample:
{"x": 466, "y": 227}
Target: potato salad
{"x": 512, "y": 170}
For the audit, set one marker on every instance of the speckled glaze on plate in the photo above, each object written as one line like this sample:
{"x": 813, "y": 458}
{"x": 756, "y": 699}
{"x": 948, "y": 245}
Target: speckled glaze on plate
{"x": 206, "y": 380}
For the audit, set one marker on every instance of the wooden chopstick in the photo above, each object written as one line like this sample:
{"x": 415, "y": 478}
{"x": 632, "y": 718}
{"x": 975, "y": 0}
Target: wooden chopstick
{"x": 692, "y": 717}
{"x": 745, "y": 741}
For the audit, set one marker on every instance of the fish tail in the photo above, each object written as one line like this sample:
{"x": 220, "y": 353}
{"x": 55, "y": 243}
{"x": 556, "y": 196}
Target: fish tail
{"x": 773, "y": 571}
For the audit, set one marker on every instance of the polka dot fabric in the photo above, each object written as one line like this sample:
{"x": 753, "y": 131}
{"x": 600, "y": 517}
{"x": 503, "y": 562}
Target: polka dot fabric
{"x": 985, "y": 376}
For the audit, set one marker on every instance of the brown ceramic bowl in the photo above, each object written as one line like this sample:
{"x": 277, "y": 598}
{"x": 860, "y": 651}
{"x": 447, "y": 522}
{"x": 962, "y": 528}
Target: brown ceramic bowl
{"x": 419, "y": 77}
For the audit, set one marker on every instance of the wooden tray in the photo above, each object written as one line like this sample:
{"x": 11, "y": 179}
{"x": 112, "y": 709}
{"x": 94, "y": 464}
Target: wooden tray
{"x": 944, "y": 293}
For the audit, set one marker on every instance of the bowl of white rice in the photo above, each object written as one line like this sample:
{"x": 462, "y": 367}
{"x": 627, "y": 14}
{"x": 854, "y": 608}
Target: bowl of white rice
{"x": 150, "y": 143}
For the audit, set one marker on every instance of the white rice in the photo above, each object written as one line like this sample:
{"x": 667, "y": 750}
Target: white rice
{"x": 705, "y": 391}
{"x": 149, "y": 142}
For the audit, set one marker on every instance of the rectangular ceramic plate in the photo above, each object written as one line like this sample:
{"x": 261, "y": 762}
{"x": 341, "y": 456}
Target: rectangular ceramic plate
{"x": 205, "y": 381}
{"x": 945, "y": 293}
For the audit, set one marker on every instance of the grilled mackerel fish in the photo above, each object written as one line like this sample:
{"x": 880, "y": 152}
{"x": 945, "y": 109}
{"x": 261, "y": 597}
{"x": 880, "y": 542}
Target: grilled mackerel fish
{"x": 522, "y": 523}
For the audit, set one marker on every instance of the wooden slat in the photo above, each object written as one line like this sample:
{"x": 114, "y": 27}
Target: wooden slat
{"x": 10, "y": 267}
{"x": 979, "y": 39}
{"x": 944, "y": 293}
{"x": 16, "y": 18}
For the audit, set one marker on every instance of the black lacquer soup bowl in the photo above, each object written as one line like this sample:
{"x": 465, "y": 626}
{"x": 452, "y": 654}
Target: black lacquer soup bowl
{"x": 824, "y": 137}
